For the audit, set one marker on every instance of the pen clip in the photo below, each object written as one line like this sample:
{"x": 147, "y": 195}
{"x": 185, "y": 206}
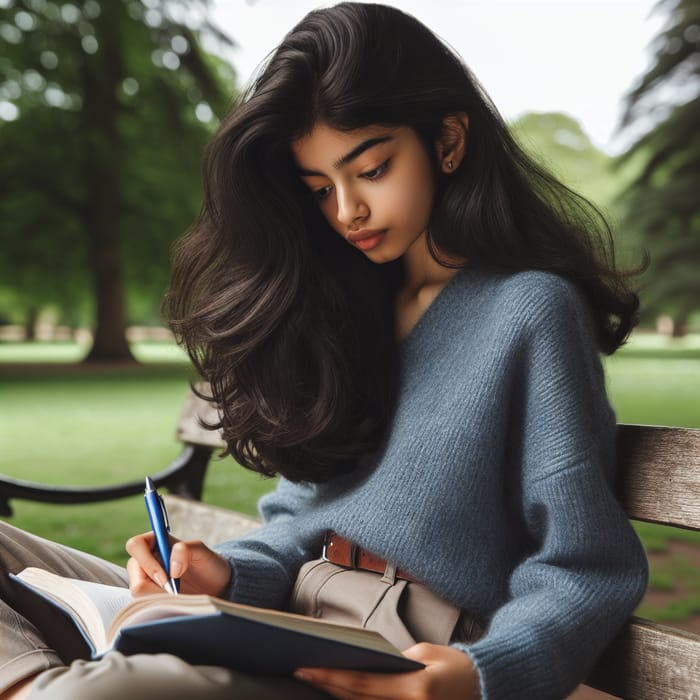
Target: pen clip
{"x": 161, "y": 503}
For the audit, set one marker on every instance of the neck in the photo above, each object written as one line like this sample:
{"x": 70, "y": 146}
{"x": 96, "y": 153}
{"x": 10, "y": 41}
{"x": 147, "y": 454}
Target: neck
{"x": 422, "y": 270}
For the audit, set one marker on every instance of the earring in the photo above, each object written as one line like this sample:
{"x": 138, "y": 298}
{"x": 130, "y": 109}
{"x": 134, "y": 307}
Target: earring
{"x": 449, "y": 165}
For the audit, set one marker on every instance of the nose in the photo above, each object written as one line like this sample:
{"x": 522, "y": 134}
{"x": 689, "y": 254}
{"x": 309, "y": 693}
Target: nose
{"x": 351, "y": 207}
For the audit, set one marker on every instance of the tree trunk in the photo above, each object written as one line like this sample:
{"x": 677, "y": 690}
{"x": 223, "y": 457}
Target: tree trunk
{"x": 103, "y": 72}
{"x": 680, "y": 327}
{"x": 30, "y": 323}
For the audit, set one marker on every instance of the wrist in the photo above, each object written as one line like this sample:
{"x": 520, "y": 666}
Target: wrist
{"x": 226, "y": 580}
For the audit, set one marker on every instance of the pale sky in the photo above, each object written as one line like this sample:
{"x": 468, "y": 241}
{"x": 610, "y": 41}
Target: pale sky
{"x": 573, "y": 56}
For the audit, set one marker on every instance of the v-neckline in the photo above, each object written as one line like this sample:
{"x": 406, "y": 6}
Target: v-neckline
{"x": 429, "y": 310}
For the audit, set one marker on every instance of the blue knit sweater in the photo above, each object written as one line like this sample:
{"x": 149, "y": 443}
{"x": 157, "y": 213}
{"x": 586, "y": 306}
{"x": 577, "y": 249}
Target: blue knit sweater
{"x": 493, "y": 486}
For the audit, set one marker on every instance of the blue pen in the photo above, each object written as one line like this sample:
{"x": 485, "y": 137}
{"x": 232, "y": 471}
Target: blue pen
{"x": 160, "y": 526}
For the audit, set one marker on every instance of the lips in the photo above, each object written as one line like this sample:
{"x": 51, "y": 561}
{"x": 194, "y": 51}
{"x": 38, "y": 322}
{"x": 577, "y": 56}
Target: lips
{"x": 367, "y": 238}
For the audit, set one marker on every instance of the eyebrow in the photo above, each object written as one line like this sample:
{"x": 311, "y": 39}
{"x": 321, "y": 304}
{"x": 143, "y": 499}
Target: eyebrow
{"x": 351, "y": 155}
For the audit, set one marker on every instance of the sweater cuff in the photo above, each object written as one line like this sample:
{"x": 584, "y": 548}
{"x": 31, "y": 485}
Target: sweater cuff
{"x": 256, "y": 580}
{"x": 504, "y": 675}
{"x": 516, "y": 667}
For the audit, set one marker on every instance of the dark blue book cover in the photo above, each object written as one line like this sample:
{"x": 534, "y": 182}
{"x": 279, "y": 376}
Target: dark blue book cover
{"x": 209, "y": 631}
{"x": 252, "y": 646}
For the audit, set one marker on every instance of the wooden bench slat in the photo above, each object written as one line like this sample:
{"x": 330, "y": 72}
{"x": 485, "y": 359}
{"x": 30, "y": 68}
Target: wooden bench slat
{"x": 649, "y": 661}
{"x": 660, "y": 474}
{"x": 192, "y": 520}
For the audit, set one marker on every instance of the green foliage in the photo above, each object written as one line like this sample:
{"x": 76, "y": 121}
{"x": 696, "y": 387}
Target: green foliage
{"x": 38, "y": 208}
{"x": 662, "y": 204}
{"x": 115, "y": 103}
{"x": 559, "y": 143}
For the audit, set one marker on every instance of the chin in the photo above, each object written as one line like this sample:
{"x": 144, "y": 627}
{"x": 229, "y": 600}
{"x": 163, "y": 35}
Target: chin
{"x": 381, "y": 257}
{"x": 385, "y": 252}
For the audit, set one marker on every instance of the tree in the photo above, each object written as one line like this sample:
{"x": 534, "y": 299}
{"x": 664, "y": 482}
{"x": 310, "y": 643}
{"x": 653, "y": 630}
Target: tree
{"x": 559, "y": 142}
{"x": 114, "y": 101}
{"x": 662, "y": 203}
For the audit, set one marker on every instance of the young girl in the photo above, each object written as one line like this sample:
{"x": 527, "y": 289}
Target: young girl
{"x": 400, "y": 314}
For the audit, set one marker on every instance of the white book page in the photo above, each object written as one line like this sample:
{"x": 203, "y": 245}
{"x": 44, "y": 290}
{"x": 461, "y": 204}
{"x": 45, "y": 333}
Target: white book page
{"x": 108, "y": 600}
{"x": 91, "y": 605}
{"x": 158, "y": 607}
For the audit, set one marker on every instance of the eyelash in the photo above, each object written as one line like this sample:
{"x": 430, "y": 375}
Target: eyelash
{"x": 372, "y": 175}
{"x": 379, "y": 172}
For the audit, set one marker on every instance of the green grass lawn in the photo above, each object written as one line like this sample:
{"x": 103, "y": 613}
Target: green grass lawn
{"x": 100, "y": 426}
{"x": 656, "y": 381}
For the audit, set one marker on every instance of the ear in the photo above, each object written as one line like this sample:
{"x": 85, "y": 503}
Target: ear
{"x": 452, "y": 142}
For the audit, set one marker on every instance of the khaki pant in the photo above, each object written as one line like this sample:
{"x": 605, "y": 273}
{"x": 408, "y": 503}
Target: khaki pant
{"x": 35, "y": 639}
{"x": 403, "y": 613}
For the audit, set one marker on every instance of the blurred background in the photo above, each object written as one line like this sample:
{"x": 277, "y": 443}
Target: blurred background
{"x": 105, "y": 109}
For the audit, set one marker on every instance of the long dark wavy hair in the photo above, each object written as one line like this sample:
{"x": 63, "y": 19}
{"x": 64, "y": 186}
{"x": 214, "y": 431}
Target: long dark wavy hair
{"x": 293, "y": 328}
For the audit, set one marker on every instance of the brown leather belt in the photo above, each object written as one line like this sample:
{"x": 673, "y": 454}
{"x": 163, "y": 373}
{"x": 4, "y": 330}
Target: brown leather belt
{"x": 338, "y": 550}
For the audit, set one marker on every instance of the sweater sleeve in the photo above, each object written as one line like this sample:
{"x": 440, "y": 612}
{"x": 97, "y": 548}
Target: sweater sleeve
{"x": 586, "y": 569}
{"x": 266, "y": 561}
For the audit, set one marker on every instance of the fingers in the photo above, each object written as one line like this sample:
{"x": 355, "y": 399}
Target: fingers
{"x": 448, "y": 674}
{"x": 141, "y": 548}
{"x": 200, "y": 569}
{"x": 204, "y": 570}
{"x": 353, "y": 685}
{"x": 139, "y": 583}
{"x": 424, "y": 653}
{"x": 188, "y": 554}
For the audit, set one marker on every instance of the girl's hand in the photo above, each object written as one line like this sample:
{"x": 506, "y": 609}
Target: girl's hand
{"x": 448, "y": 674}
{"x": 199, "y": 569}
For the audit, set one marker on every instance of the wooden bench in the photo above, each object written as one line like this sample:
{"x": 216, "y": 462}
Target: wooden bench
{"x": 659, "y": 482}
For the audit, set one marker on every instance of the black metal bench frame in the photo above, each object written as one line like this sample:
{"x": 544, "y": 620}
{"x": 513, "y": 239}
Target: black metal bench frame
{"x": 184, "y": 476}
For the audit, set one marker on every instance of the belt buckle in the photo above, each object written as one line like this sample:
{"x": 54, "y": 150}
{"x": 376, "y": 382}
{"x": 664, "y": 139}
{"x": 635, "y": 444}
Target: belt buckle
{"x": 353, "y": 552}
{"x": 324, "y": 550}
{"x": 353, "y": 555}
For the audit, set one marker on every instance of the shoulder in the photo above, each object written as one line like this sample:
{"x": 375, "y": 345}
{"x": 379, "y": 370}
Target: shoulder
{"x": 537, "y": 290}
{"x": 506, "y": 314}
{"x": 529, "y": 297}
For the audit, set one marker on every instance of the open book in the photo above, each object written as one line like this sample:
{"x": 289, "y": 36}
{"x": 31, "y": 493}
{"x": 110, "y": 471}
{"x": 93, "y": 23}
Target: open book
{"x": 205, "y": 630}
